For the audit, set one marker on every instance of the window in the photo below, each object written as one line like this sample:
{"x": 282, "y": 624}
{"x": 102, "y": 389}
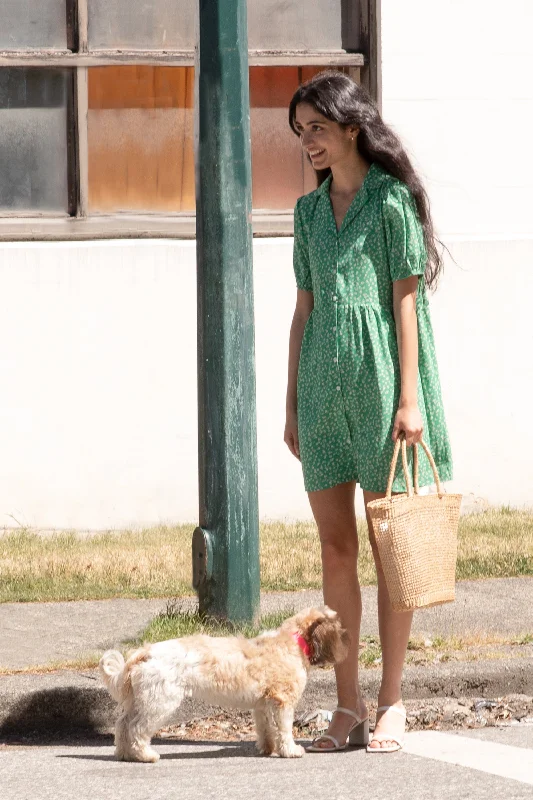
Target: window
{"x": 150, "y": 25}
{"x": 140, "y": 136}
{"x": 33, "y": 135}
{"x": 97, "y": 112}
{"x": 30, "y": 25}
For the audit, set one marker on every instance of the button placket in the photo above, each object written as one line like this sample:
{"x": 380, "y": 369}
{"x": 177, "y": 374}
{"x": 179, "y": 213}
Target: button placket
{"x": 336, "y": 306}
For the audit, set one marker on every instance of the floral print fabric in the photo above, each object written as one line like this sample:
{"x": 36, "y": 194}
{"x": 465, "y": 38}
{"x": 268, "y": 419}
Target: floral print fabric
{"x": 349, "y": 372}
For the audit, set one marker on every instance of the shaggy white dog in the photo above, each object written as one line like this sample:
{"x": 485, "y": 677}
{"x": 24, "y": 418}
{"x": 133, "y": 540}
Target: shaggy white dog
{"x": 266, "y": 674}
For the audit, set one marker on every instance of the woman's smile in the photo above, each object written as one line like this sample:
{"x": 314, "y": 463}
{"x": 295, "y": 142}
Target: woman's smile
{"x": 315, "y": 153}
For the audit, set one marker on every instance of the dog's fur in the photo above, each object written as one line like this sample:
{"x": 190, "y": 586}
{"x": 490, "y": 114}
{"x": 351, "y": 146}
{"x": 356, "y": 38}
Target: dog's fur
{"x": 266, "y": 674}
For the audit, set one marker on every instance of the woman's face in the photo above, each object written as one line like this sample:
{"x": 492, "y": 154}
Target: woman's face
{"x": 327, "y": 143}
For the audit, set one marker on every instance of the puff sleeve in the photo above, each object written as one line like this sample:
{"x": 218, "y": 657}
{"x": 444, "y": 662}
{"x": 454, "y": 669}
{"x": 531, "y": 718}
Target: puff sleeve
{"x": 403, "y": 233}
{"x": 302, "y": 269}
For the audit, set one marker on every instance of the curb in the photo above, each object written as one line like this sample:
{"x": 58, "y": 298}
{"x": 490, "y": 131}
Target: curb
{"x": 74, "y": 703}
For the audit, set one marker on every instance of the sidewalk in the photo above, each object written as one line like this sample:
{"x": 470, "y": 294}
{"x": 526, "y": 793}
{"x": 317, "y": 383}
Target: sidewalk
{"x": 39, "y": 634}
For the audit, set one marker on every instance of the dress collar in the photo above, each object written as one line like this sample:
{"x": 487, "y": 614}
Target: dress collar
{"x": 372, "y": 181}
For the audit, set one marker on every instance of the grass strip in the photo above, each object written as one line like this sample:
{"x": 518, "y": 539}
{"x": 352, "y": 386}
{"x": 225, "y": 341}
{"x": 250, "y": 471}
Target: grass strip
{"x": 156, "y": 562}
{"x": 175, "y": 622}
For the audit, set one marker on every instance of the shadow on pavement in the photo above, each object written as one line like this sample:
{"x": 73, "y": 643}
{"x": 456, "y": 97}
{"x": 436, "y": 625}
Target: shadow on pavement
{"x": 226, "y": 750}
{"x": 54, "y": 713}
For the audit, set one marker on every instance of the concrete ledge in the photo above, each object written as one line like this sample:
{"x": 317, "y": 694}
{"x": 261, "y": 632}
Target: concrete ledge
{"x": 76, "y": 704}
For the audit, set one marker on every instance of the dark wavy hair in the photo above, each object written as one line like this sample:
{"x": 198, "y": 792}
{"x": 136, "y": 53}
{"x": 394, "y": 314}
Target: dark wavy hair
{"x": 338, "y": 98}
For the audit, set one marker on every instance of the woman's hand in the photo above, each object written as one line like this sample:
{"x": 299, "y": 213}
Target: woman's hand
{"x": 408, "y": 420}
{"x": 291, "y": 433}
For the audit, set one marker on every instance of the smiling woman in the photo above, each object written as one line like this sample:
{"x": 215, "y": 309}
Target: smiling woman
{"x": 323, "y": 139}
{"x": 362, "y": 368}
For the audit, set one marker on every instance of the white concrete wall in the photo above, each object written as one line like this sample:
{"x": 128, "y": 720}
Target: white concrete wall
{"x": 98, "y": 377}
{"x": 97, "y": 354}
{"x": 457, "y": 88}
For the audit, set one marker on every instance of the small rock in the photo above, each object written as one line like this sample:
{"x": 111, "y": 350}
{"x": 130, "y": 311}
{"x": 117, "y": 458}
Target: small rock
{"x": 451, "y": 710}
{"x": 485, "y": 704}
{"x": 318, "y": 719}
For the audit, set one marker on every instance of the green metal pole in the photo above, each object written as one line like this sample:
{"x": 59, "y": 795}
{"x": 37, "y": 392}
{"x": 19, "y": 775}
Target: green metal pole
{"x": 226, "y": 545}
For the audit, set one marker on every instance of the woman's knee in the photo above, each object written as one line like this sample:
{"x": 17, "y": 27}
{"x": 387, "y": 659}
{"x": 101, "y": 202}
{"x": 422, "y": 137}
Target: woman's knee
{"x": 339, "y": 548}
{"x": 334, "y": 513}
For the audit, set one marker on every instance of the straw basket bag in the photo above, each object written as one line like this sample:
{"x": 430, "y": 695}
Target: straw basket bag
{"x": 416, "y": 537}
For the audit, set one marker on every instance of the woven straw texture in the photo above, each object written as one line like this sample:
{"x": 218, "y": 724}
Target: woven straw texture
{"x": 416, "y": 537}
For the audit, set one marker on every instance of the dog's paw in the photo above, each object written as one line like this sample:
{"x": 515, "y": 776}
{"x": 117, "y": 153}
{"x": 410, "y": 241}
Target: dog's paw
{"x": 149, "y": 756}
{"x": 294, "y": 751}
{"x": 144, "y": 756}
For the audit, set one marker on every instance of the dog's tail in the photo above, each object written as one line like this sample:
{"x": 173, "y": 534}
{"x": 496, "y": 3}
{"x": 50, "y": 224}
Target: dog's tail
{"x": 111, "y": 668}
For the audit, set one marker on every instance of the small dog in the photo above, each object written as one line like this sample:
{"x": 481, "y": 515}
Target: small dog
{"x": 266, "y": 674}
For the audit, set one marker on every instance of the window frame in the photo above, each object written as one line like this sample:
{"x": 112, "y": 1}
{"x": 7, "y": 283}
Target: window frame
{"x": 362, "y": 66}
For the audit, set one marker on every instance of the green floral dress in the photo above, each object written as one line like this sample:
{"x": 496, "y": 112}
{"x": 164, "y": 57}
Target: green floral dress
{"x": 349, "y": 373}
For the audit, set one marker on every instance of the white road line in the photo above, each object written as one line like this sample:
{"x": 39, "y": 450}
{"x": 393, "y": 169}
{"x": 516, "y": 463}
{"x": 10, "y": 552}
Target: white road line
{"x": 496, "y": 759}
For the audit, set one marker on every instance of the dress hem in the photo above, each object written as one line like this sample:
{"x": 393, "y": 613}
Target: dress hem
{"x": 445, "y": 470}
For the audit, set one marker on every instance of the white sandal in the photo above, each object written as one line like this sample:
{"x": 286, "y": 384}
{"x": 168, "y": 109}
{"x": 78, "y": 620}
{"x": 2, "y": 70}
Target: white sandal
{"x": 357, "y": 735}
{"x": 387, "y": 737}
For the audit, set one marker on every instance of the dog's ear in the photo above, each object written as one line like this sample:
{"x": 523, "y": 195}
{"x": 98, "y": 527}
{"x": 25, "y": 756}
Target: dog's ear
{"x": 329, "y": 641}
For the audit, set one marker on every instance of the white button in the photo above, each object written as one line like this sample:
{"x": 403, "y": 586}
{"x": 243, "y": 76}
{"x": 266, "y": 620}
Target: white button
{"x": 335, "y": 360}
{"x": 334, "y": 328}
{"x": 334, "y": 298}
{"x": 338, "y": 388}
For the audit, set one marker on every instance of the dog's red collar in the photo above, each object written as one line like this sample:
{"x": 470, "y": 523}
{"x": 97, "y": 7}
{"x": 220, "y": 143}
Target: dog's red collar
{"x": 303, "y": 645}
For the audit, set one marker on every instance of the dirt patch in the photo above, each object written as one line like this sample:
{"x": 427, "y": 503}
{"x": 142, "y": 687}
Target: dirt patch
{"x": 439, "y": 715}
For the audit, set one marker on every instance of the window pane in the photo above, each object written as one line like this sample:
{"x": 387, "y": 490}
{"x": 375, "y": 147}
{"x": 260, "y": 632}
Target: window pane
{"x": 272, "y": 24}
{"x": 280, "y": 172}
{"x": 278, "y": 167}
{"x": 33, "y": 140}
{"x": 150, "y": 25}
{"x": 141, "y": 139}
{"x": 295, "y": 24}
{"x": 31, "y": 24}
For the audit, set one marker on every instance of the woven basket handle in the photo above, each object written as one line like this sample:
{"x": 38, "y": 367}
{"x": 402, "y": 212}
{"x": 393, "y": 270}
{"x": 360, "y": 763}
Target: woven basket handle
{"x": 400, "y": 442}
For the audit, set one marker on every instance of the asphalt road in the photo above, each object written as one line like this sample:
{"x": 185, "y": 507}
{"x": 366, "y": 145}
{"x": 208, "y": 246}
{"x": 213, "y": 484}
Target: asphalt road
{"x": 479, "y": 765}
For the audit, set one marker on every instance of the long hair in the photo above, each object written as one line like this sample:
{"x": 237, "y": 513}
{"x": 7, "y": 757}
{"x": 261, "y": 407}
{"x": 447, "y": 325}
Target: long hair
{"x": 338, "y": 98}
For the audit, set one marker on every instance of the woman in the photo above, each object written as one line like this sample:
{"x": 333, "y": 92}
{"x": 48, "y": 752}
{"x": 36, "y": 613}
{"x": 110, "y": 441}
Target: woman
{"x": 362, "y": 366}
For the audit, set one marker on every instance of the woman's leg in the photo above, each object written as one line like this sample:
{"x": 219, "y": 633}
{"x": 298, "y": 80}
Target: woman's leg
{"x": 334, "y": 512}
{"x": 394, "y": 630}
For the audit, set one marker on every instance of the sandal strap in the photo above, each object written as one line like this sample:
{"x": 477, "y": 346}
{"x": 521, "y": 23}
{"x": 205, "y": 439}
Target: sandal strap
{"x": 400, "y": 711}
{"x": 348, "y": 711}
{"x": 326, "y": 736}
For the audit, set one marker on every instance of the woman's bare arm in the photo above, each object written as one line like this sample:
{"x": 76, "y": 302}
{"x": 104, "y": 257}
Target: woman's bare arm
{"x": 304, "y": 306}
{"x": 408, "y": 418}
